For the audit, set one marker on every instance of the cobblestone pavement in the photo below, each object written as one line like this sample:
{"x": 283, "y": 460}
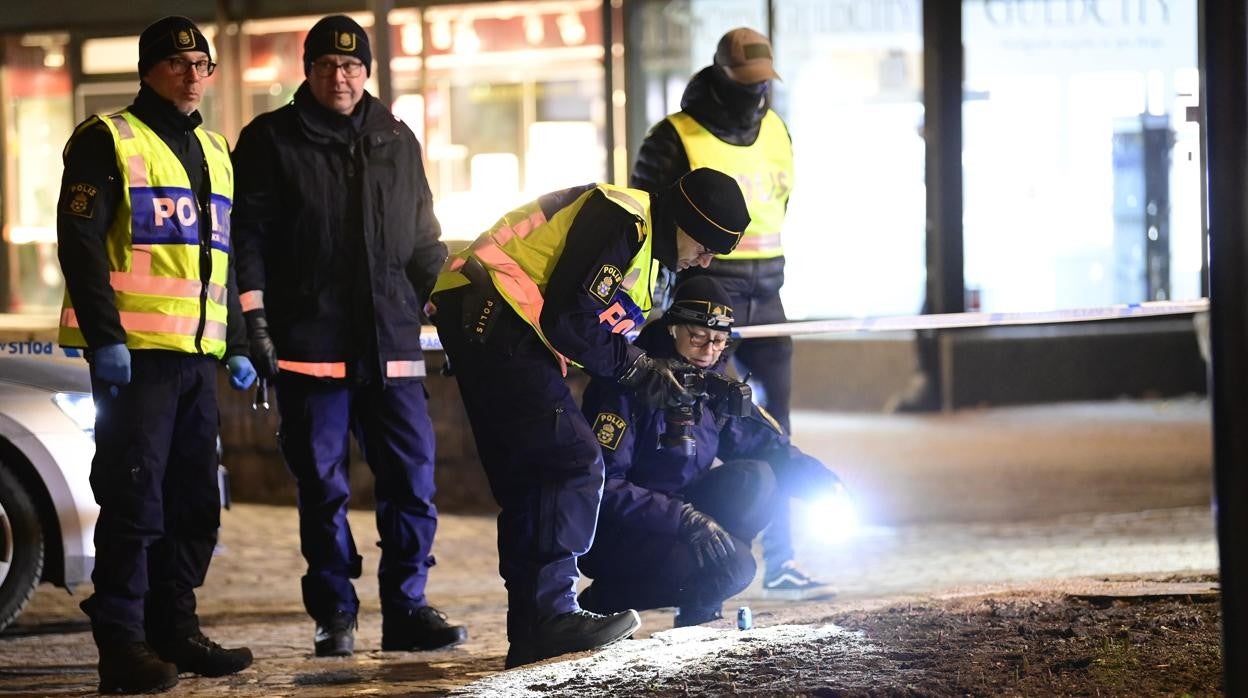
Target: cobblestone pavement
{"x": 973, "y": 500}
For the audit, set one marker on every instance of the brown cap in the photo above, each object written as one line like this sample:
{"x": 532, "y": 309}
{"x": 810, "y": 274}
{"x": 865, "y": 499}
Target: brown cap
{"x": 746, "y": 56}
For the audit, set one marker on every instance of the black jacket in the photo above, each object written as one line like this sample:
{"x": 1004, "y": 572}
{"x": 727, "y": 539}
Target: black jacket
{"x": 733, "y": 115}
{"x": 91, "y": 161}
{"x": 333, "y": 219}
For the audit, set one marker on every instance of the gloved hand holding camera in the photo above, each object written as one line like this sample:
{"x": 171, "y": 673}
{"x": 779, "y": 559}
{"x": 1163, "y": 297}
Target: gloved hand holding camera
{"x": 654, "y": 381}
{"x": 710, "y": 542}
{"x": 263, "y": 353}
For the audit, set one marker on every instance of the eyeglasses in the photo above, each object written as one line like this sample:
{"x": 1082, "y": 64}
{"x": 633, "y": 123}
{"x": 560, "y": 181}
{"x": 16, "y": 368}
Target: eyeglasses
{"x": 325, "y": 68}
{"x": 203, "y": 67}
{"x": 701, "y": 338}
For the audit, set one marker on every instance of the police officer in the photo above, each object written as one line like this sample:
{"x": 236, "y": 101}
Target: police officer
{"x": 556, "y": 282}
{"x": 726, "y": 122}
{"x": 338, "y": 250}
{"x": 673, "y": 530}
{"x": 143, "y": 226}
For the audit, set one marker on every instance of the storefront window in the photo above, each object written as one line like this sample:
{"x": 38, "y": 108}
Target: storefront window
{"x": 852, "y": 94}
{"x": 1081, "y": 171}
{"x": 38, "y": 117}
{"x": 513, "y": 103}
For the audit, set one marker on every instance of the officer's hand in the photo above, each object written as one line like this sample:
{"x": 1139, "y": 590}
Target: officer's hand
{"x": 242, "y": 373}
{"x": 710, "y": 542}
{"x": 263, "y": 353}
{"x": 655, "y": 383}
{"x": 112, "y": 364}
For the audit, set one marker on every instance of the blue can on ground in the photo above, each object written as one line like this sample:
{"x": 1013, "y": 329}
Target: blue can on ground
{"x": 745, "y": 619}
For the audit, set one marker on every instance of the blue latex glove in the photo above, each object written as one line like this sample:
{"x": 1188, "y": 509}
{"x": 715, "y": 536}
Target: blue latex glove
{"x": 242, "y": 373}
{"x": 112, "y": 364}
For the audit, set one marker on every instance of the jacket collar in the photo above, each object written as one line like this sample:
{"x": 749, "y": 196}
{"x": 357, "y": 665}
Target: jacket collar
{"x": 730, "y": 116}
{"x": 160, "y": 114}
{"x": 328, "y": 126}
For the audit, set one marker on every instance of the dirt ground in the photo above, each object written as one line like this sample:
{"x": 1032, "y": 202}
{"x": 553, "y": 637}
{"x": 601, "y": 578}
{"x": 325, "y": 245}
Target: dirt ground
{"x": 1123, "y": 637}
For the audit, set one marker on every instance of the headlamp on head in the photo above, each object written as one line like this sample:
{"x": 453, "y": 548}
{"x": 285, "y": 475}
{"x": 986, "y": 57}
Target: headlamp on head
{"x": 716, "y": 316}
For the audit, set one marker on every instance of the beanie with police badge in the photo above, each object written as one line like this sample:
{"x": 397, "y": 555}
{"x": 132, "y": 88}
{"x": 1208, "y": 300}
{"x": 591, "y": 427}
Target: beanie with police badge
{"x": 339, "y": 35}
{"x": 701, "y": 301}
{"x": 709, "y": 206}
{"x": 167, "y": 36}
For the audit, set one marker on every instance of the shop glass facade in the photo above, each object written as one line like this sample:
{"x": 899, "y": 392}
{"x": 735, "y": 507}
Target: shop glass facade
{"x": 1081, "y": 170}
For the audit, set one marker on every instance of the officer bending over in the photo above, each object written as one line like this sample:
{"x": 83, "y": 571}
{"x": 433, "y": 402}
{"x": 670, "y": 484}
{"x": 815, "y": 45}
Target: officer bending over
{"x": 673, "y": 530}
{"x": 554, "y": 282}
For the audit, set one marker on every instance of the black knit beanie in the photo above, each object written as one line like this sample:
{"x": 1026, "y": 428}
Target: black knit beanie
{"x": 167, "y": 36}
{"x": 339, "y": 35}
{"x": 709, "y": 206}
{"x": 700, "y": 301}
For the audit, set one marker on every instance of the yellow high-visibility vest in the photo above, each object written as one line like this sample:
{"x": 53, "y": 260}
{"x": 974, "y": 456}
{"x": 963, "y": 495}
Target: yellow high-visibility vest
{"x": 153, "y": 244}
{"x": 764, "y": 170}
{"x": 521, "y": 249}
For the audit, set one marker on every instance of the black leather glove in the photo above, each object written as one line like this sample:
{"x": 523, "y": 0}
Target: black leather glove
{"x": 263, "y": 353}
{"x": 710, "y": 542}
{"x": 655, "y": 383}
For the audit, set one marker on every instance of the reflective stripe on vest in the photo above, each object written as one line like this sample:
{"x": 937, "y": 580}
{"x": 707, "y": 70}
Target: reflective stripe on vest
{"x": 153, "y": 245}
{"x": 522, "y": 248}
{"x": 764, "y": 170}
{"x": 324, "y": 369}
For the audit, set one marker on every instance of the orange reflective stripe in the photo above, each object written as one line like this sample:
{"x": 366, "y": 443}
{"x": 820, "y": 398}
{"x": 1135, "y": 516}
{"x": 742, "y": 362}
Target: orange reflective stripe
{"x": 521, "y": 229}
{"x": 136, "y": 166}
{"x": 122, "y": 126}
{"x": 134, "y": 321}
{"x": 252, "y": 300}
{"x": 141, "y": 259}
{"x": 756, "y": 243}
{"x": 404, "y": 369}
{"x": 164, "y": 286}
{"x": 625, "y": 199}
{"x": 515, "y": 284}
{"x": 455, "y": 263}
{"x": 329, "y": 369}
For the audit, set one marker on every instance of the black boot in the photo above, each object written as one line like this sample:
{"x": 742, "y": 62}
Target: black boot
{"x": 135, "y": 668}
{"x": 336, "y": 636}
{"x": 575, "y": 631}
{"x": 197, "y": 654}
{"x": 696, "y": 615}
{"x": 424, "y": 628}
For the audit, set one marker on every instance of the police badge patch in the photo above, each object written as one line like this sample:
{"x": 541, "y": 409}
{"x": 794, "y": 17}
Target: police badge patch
{"x": 609, "y": 428}
{"x": 605, "y": 283}
{"x": 80, "y": 200}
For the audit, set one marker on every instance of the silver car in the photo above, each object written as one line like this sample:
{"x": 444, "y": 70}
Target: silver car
{"x": 47, "y": 511}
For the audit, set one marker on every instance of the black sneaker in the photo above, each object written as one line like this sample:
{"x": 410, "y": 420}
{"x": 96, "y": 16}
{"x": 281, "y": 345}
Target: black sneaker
{"x": 575, "y": 631}
{"x": 336, "y": 636}
{"x": 424, "y": 628}
{"x": 135, "y": 668}
{"x": 199, "y": 655}
{"x": 693, "y": 615}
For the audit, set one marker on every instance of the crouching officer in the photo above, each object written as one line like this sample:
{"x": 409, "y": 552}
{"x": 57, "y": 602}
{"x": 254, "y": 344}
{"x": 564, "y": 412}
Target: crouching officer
{"x": 554, "y": 282}
{"x": 673, "y": 530}
{"x": 338, "y": 250}
{"x": 144, "y": 235}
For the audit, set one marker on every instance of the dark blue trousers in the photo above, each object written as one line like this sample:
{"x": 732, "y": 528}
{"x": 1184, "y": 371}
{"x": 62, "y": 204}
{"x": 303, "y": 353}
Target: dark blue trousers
{"x": 392, "y": 425}
{"x": 154, "y": 476}
{"x": 635, "y": 568}
{"x": 540, "y": 456}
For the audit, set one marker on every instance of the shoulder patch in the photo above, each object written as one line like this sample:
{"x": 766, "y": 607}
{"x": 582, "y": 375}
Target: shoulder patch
{"x": 80, "y": 200}
{"x": 609, "y": 428}
{"x": 604, "y": 284}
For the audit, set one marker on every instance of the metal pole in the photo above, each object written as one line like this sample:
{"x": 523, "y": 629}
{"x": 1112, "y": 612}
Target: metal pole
{"x": 381, "y": 49}
{"x": 608, "y": 82}
{"x": 942, "y": 128}
{"x": 1224, "y": 71}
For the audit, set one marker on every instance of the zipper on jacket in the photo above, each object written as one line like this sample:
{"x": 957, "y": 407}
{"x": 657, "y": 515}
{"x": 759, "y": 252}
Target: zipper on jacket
{"x": 205, "y": 251}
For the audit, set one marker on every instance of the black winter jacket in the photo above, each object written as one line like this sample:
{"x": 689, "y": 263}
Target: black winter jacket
{"x": 333, "y": 221}
{"x": 732, "y": 114}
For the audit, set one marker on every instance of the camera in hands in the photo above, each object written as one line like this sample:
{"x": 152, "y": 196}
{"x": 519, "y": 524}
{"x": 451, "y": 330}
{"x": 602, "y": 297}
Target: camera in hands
{"x": 703, "y": 389}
